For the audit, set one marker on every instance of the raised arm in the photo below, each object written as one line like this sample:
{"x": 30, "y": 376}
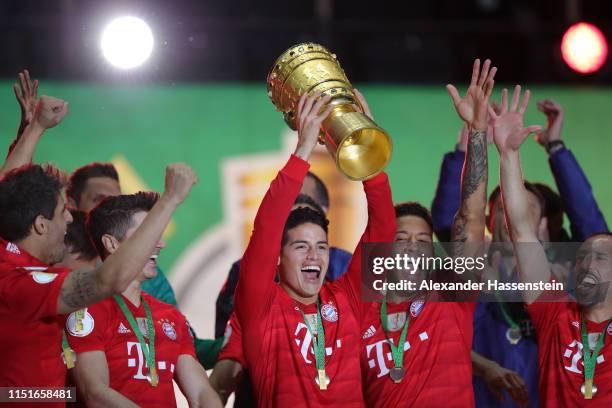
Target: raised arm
{"x": 259, "y": 261}
{"x": 448, "y": 192}
{"x": 82, "y": 288}
{"x": 381, "y": 218}
{"x": 49, "y": 112}
{"x": 469, "y": 222}
{"x": 509, "y": 133}
{"x": 580, "y": 205}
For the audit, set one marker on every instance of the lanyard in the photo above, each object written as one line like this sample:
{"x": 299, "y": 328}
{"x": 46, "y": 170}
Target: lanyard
{"x": 67, "y": 352}
{"x": 319, "y": 346}
{"x": 590, "y": 359}
{"x": 149, "y": 352}
{"x": 502, "y": 305}
{"x": 396, "y": 350}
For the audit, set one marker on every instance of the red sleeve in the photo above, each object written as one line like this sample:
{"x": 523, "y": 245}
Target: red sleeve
{"x": 380, "y": 228}
{"x": 258, "y": 265}
{"x": 186, "y": 339}
{"x": 232, "y": 343}
{"x": 32, "y": 295}
{"x": 93, "y": 333}
{"x": 544, "y": 312}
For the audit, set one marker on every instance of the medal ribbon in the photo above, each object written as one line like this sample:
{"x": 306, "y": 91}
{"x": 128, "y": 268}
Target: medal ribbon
{"x": 319, "y": 340}
{"x": 67, "y": 351}
{"x": 590, "y": 359}
{"x": 396, "y": 350}
{"x": 502, "y": 305}
{"x": 149, "y": 352}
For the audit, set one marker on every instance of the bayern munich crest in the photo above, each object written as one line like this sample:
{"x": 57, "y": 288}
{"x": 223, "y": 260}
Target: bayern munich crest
{"x": 329, "y": 312}
{"x": 609, "y": 329}
{"x": 169, "y": 330}
{"x": 416, "y": 307}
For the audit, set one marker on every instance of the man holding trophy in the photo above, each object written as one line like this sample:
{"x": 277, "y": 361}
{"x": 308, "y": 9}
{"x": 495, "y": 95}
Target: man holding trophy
{"x": 322, "y": 319}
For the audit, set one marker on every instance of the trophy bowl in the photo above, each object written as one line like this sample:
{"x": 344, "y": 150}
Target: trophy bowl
{"x": 360, "y": 148}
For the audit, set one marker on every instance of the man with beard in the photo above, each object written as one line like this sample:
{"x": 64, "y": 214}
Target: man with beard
{"x": 572, "y": 337}
{"x": 504, "y": 376}
{"x": 33, "y": 221}
{"x": 415, "y": 350}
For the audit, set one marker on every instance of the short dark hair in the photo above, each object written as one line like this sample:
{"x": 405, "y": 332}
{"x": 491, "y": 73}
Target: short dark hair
{"x": 77, "y": 237}
{"x": 553, "y": 204}
{"x": 26, "y": 193}
{"x": 114, "y": 216}
{"x": 320, "y": 189}
{"x": 79, "y": 178}
{"x": 301, "y": 216}
{"x": 308, "y": 200}
{"x": 415, "y": 209}
{"x": 529, "y": 186}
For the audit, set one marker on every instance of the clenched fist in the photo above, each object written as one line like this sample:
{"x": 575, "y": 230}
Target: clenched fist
{"x": 50, "y": 111}
{"x": 180, "y": 178}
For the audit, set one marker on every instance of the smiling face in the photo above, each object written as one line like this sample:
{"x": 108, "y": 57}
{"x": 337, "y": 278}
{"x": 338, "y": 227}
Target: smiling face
{"x": 414, "y": 238}
{"x": 150, "y": 269}
{"x": 594, "y": 269}
{"x": 304, "y": 260}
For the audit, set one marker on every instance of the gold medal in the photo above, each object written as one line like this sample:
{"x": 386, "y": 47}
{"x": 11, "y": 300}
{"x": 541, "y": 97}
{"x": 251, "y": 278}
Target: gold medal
{"x": 397, "y": 374}
{"x": 152, "y": 376}
{"x": 588, "y": 389}
{"x": 322, "y": 379}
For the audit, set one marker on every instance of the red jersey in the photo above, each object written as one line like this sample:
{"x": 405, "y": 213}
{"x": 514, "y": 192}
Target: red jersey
{"x": 561, "y": 367}
{"x": 31, "y": 330}
{"x": 105, "y": 328}
{"x": 232, "y": 343}
{"x": 277, "y": 344}
{"x": 436, "y": 355}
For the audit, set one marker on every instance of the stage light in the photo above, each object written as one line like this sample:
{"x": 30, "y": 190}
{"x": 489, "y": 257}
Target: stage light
{"x": 127, "y": 42}
{"x": 584, "y": 48}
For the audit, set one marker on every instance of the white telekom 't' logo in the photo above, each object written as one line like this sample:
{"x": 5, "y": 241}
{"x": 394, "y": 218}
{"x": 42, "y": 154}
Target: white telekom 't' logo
{"x": 304, "y": 342}
{"x": 383, "y": 354}
{"x": 142, "y": 364}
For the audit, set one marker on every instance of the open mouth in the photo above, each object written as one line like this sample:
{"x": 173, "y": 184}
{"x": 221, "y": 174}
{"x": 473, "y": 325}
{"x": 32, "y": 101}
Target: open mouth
{"x": 153, "y": 259}
{"x": 311, "y": 273}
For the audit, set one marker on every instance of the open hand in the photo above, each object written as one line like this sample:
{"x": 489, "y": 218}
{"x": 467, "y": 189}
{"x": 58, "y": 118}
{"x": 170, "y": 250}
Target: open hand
{"x": 508, "y": 129}
{"x": 472, "y": 108}
{"x": 25, "y": 92}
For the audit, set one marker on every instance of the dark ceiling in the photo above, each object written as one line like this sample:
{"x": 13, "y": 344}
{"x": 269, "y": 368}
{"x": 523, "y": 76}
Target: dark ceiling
{"x": 237, "y": 40}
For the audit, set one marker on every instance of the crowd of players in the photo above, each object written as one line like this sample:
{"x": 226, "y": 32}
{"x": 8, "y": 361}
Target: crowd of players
{"x": 83, "y": 303}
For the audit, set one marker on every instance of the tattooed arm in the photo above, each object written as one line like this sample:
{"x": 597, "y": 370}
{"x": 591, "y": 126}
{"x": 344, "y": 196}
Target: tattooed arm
{"x": 469, "y": 223}
{"x": 82, "y": 288}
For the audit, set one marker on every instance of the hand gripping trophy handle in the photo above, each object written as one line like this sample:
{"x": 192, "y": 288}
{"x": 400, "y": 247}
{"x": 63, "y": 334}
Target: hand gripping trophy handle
{"x": 359, "y": 146}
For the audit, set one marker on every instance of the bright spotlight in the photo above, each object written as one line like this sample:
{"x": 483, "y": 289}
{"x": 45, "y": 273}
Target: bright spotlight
{"x": 127, "y": 42}
{"x": 584, "y": 48}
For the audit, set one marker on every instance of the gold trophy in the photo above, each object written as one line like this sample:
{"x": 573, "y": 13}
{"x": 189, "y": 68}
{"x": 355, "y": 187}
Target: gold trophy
{"x": 359, "y": 146}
